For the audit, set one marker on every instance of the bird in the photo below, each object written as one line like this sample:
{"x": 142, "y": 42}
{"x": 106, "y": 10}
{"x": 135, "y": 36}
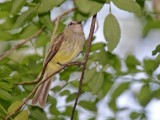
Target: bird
{"x": 64, "y": 49}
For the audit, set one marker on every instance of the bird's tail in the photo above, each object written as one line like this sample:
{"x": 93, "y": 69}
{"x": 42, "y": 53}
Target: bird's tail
{"x": 42, "y": 92}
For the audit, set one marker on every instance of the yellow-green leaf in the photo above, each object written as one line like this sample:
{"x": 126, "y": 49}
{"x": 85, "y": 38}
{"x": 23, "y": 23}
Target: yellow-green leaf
{"x": 5, "y": 95}
{"x": 47, "y": 5}
{"x": 112, "y": 31}
{"x": 14, "y": 106}
{"x": 6, "y": 86}
{"x": 22, "y": 116}
{"x": 88, "y": 105}
{"x": 89, "y": 74}
{"x": 4, "y": 35}
{"x": 88, "y": 6}
{"x": 17, "y": 5}
{"x": 96, "y": 83}
{"x": 24, "y": 17}
{"x": 29, "y": 31}
{"x": 144, "y": 95}
{"x": 128, "y": 5}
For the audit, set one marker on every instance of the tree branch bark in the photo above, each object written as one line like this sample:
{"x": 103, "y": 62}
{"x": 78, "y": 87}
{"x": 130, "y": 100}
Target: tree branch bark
{"x": 84, "y": 64}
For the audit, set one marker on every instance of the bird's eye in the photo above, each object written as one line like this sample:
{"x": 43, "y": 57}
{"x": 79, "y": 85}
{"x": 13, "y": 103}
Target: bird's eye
{"x": 71, "y": 23}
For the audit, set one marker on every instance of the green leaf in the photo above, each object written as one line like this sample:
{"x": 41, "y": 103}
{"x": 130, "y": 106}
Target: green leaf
{"x": 6, "y": 5}
{"x": 17, "y": 5}
{"x": 96, "y": 83}
{"x": 47, "y": 5}
{"x": 88, "y": 7}
{"x": 4, "y": 14}
{"x": 97, "y": 46}
{"x": 22, "y": 115}
{"x": 38, "y": 114}
{"x": 112, "y": 32}
{"x": 128, "y": 5}
{"x": 5, "y": 95}
{"x": 141, "y": 3}
{"x": 46, "y": 20}
{"x": 88, "y": 105}
{"x": 68, "y": 112}
{"x": 106, "y": 86}
{"x": 29, "y": 31}
{"x": 42, "y": 40}
{"x": 101, "y": 57}
{"x": 13, "y": 106}
{"x": 144, "y": 96}
{"x": 71, "y": 97}
{"x": 158, "y": 76}
{"x": 8, "y": 24}
{"x": 135, "y": 115}
{"x": 78, "y": 16}
{"x": 151, "y": 24}
{"x": 53, "y": 108}
{"x": 155, "y": 94}
{"x": 112, "y": 105}
{"x": 61, "y": 27}
{"x": 66, "y": 74}
{"x": 131, "y": 63}
{"x": 65, "y": 92}
{"x": 150, "y": 66}
{"x": 25, "y": 16}
{"x": 120, "y": 89}
{"x": 56, "y": 89}
{"x": 89, "y": 74}
{"x": 5, "y": 86}
{"x": 157, "y": 50}
{"x": 5, "y": 35}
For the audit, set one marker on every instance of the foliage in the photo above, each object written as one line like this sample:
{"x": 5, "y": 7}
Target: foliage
{"x": 104, "y": 75}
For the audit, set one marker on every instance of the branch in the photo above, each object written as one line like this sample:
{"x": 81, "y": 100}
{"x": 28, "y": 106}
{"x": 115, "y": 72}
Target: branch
{"x": 77, "y": 63}
{"x": 65, "y": 13}
{"x": 7, "y": 53}
{"x": 84, "y": 63}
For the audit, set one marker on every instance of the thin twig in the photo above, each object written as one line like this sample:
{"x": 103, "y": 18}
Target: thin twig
{"x": 55, "y": 29}
{"x": 7, "y": 53}
{"x": 84, "y": 63}
{"x": 77, "y": 63}
{"x": 4, "y": 112}
{"x": 65, "y": 13}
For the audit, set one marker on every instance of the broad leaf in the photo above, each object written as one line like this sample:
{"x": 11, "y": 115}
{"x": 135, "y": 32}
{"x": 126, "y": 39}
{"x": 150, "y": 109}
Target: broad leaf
{"x": 22, "y": 115}
{"x": 29, "y": 31}
{"x": 17, "y": 5}
{"x": 25, "y": 16}
{"x": 96, "y": 83}
{"x": 47, "y": 5}
{"x": 112, "y": 32}
{"x": 14, "y": 106}
{"x": 89, "y": 74}
{"x": 128, "y": 5}
{"x": 5, "y": 95}
{"x": 144, "y": 95}
{"x": 88, "y": 105}
{"x": 88, "y": 7}
{"x": 151, "y": 24}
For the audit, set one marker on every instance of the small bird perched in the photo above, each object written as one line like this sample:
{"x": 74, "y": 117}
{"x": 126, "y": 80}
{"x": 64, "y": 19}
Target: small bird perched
{"x": 64, "y": 49}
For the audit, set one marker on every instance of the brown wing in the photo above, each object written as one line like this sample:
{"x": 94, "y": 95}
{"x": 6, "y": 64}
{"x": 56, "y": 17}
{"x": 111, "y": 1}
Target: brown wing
{"x": 53, "y": 49}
